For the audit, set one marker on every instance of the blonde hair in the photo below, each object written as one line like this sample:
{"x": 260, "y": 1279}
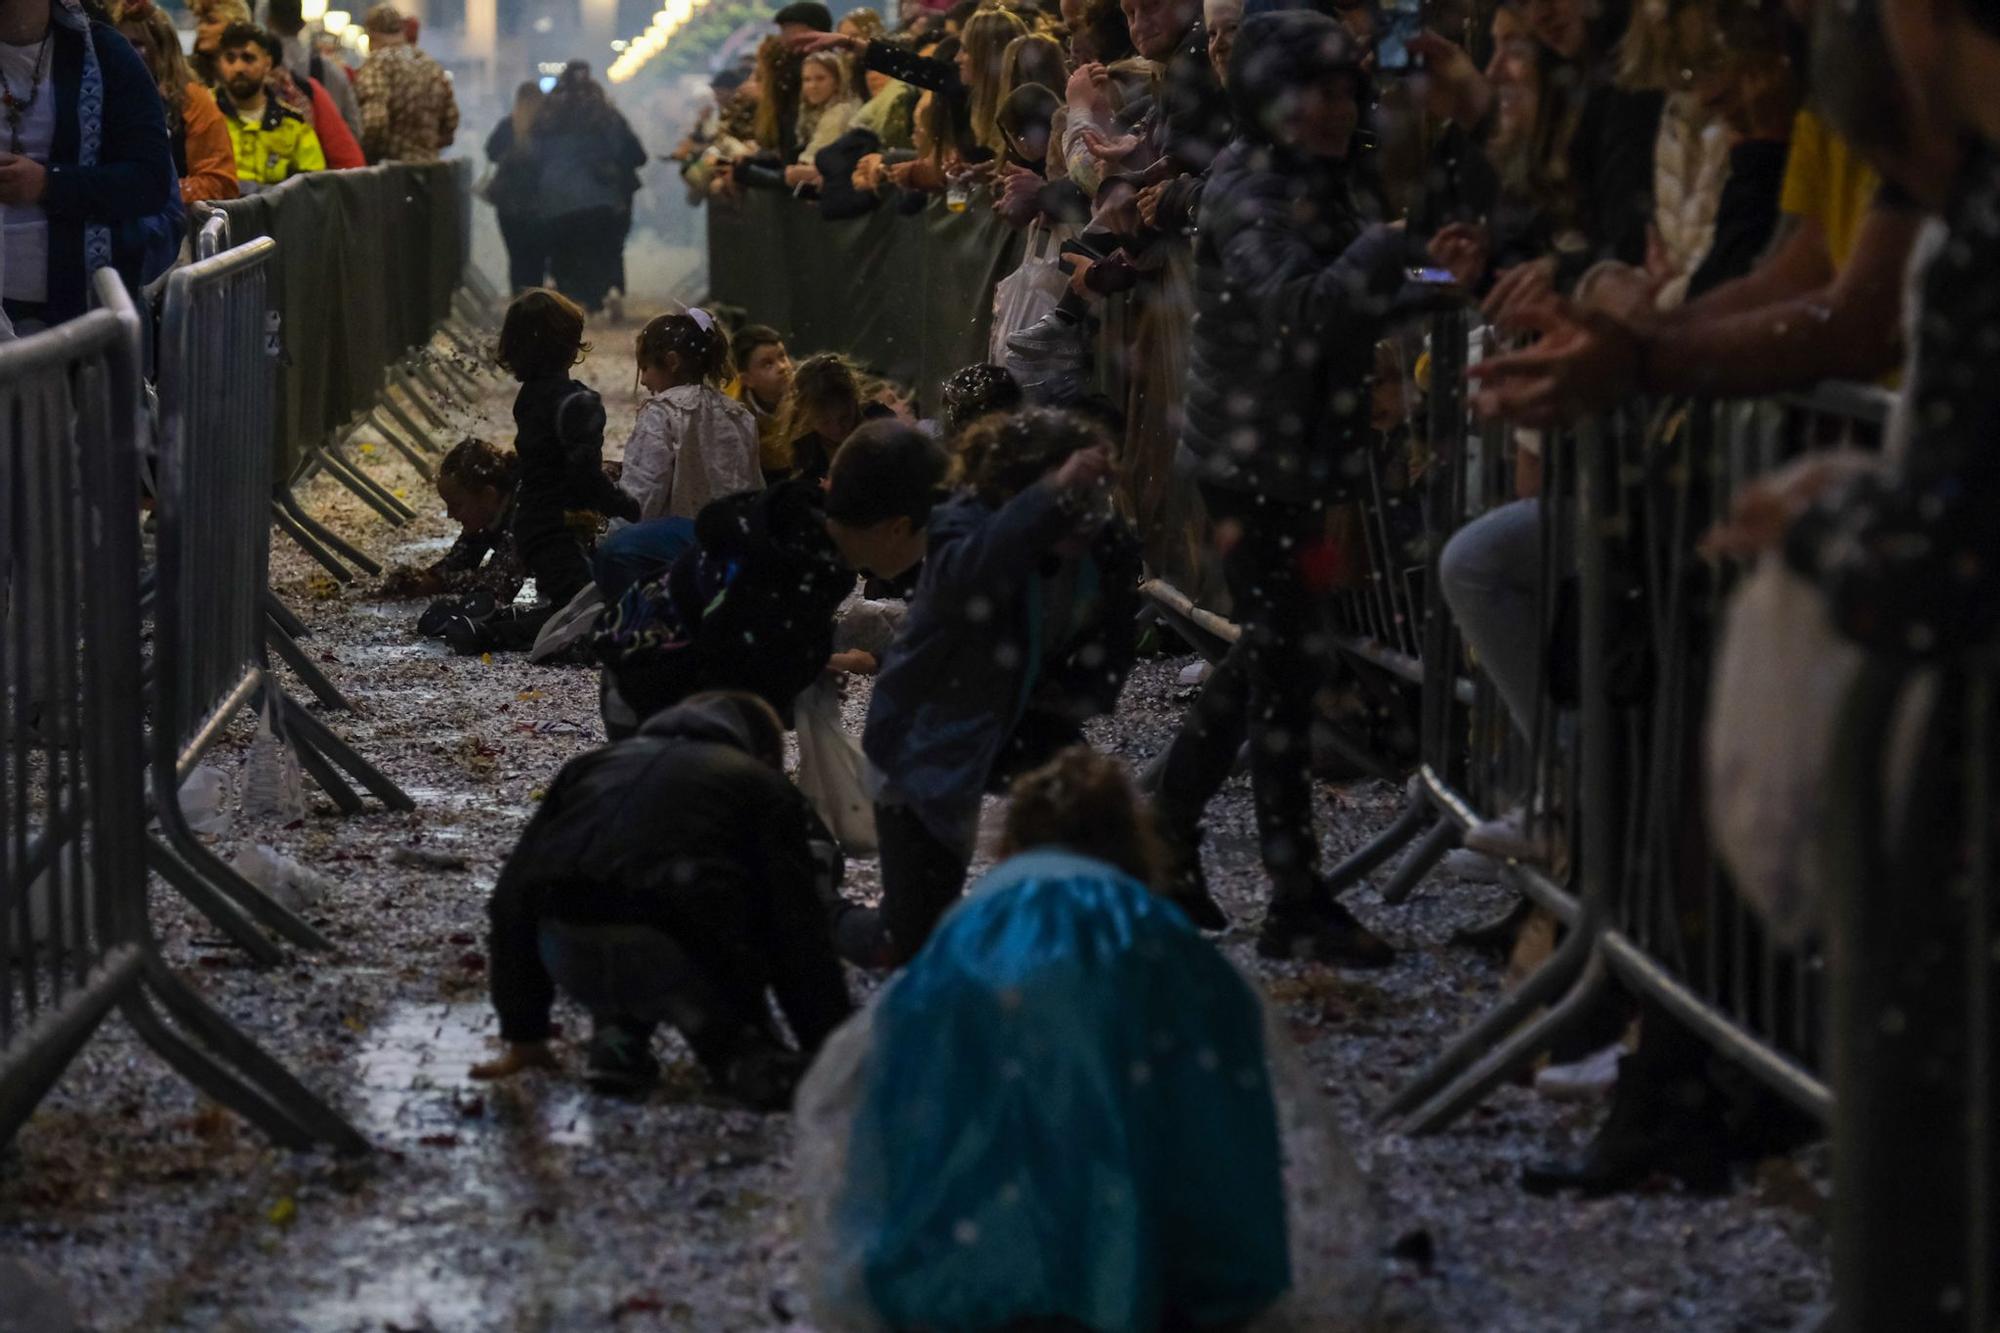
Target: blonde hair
{"x": 776, "y": 73}
{"x": 1666, "y": 42}
{"x": 985, "y": 39}
{"x": 823, "y": 382}
{"x": 1035, "y": 58}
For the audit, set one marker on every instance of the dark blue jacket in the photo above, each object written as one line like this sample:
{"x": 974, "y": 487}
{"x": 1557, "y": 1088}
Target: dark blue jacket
{"x": 969, "y": 657}
{"x": 132, "y": 189}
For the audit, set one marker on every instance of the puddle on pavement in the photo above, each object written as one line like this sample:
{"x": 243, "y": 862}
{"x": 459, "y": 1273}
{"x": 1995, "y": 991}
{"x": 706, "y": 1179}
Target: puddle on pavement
{"x": 418, "y": 1292}
{"x": 434, "y": 798}
{"x": 415, "y": 1085}
{"x": 386, "y": 654}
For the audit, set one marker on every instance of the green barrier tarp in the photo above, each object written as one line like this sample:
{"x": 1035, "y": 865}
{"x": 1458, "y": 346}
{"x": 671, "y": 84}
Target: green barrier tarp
{"x": 910, "y": 297}
{"x": 367, "y": 263}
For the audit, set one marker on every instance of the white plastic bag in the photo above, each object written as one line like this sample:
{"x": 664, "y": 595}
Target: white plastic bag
{"x": 272, "y": 783}
{"x": 1029, "y": 292}
{"x": 1781, "y": 678}
{"x": 205, "y": 800}
{"x": 285, "y": 880}
{"x": 830, "y": 768}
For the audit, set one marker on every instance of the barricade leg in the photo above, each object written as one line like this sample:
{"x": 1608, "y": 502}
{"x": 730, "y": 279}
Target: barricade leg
{"x": 1545, "y": 984}
{"x": 283, "y": 617}
{"x": 1366, "y": 859}
{"x": 448, "y": 385}
{"x": 205, "y": 898}
{"x": 362, "y": 486}
{"x": 411, "y": 451}
{"x": 1512, "y": 1055}
{"x": 316, "y": 537}
{"x": 404, "y": 379}
{"x": 304, "y": 667}
{"x": 33, "y": 1070}
{"x": 259, "y": 1089}
{"x": 223, "y": 879}
{"x": 1423, "y": 858}
{"x": 310, "y": 733}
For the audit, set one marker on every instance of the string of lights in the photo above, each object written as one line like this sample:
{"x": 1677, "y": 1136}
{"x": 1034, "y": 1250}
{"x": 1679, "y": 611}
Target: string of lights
{"x": 633, "y": 54}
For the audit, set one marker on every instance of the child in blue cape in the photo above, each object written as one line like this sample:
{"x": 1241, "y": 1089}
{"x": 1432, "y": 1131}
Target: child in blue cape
{"x": 1070, "y": 1112}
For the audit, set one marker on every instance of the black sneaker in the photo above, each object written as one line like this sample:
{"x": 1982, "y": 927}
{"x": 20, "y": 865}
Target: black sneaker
{"x": 466, "y": 636}
{"x": 1321, "y": 931}
{"x": 620, "y": 1061}
{"x": 437, "y": 615}
{"x": 475, "y": 605}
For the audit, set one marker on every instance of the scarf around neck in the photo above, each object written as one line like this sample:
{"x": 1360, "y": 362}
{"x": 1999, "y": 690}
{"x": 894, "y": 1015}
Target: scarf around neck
{"x": 69, "y": 15}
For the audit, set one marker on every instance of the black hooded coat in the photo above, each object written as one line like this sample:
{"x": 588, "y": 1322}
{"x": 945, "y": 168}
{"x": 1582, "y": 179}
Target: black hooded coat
{"x": 1292, "y": 289}
{"x": 681, "y": 828}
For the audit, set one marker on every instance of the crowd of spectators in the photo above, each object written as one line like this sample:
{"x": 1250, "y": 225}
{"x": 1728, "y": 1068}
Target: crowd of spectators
{"x": 118, "y": 130}
{"x": 1695, "y": 198}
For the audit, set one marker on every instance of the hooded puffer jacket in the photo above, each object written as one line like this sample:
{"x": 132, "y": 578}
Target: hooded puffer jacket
{"x": 683, "y": 829}
{"x": 1291, "y": 292}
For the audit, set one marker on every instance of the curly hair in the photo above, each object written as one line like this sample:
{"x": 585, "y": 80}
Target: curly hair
{"x": 1083, "y": 802}
{"x": 975, "y": 391}
{"x": 477, "y": 465}
{"x": 1001, "y": 456}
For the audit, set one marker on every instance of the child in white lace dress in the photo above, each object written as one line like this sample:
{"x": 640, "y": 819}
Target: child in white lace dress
{"x": 691, "y": 444}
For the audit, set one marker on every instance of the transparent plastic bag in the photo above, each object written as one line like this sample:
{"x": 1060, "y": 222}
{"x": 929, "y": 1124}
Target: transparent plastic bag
{"x": 205, "y": 800}
{"x": 831, "y": 769}
{"x": 1781, "y": 678}
{"x": 278, "y": 875}
{"x": 1331, "y": 1231}
{"x": 273, "y": 787}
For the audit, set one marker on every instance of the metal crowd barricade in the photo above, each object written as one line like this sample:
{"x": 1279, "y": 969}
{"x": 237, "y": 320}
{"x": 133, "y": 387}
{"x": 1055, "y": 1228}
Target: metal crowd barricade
{"x": 75, "y": 938}
{"x": 211, "y": 628}
{"x": 1656, "y": 913}
{"x": 1633, "y": 611}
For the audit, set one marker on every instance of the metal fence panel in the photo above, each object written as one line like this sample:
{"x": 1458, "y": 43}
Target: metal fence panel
{"x": 71, "y": 800}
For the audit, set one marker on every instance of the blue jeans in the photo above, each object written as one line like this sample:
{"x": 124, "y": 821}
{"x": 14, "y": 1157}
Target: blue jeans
{"x": 638, "y": 552}
{"x": 1491, "y": 573}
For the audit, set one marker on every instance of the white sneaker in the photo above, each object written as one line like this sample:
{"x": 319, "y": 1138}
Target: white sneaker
{"x": 1511, "y": 837}
{"x": 1590, "y": 1079}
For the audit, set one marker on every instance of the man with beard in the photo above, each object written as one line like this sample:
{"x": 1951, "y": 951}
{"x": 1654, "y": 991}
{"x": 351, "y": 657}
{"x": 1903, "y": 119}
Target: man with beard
{"x": 273, "y": 143}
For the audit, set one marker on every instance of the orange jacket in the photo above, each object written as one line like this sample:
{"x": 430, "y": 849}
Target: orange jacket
{"x": 211, "y": 158}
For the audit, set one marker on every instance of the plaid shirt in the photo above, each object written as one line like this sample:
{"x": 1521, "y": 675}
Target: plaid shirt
{"x": 408, "y": 112}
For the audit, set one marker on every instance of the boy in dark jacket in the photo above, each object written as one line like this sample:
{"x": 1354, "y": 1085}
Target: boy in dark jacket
{"x": 673, "y": 876}
{"x": 559, "y": 445}
{"x": 1022, "y": 626}
{"x": 750, "y": 606}
{"x": 1292, "y": 295}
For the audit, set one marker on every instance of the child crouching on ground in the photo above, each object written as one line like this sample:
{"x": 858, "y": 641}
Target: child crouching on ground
{"x": 1071, "y": 1112}
{"x": 1021, "y": 627}
{"x": 559, "y": 439}
{"x": 483, "y": 567}
{"x": 751, "y": 604}
{"x": 677, "y": 877}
